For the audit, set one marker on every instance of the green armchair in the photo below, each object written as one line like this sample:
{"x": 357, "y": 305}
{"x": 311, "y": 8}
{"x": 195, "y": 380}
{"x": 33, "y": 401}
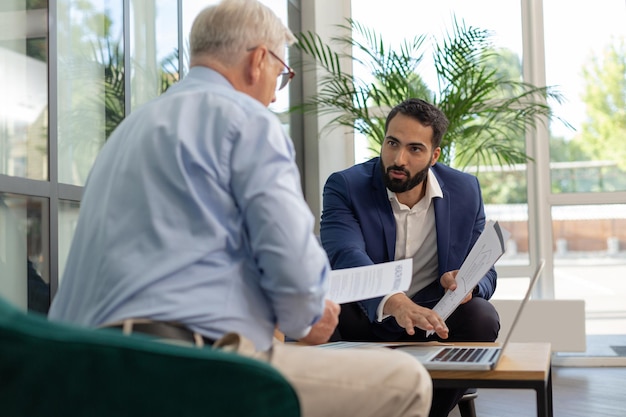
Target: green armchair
{"x": 52, "y": 369}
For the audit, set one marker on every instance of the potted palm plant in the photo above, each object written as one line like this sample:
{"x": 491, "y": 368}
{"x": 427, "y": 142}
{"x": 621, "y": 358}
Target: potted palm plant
{"x": 489, "y": 109}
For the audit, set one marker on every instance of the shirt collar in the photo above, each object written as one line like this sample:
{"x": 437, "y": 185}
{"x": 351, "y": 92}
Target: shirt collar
{"x": 208, "y": 74}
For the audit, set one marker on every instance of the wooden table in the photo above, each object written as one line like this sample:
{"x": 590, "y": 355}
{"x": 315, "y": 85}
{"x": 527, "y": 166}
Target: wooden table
{"x": 522, "y": 365}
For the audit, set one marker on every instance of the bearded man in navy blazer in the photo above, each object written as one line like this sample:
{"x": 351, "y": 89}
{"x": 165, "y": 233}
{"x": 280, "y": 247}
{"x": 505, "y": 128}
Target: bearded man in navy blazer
{"x": 401, "y": 205}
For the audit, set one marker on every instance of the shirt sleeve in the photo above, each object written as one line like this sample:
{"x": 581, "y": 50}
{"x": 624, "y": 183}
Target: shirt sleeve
{"x": 380, "y": 316}
{"x": 266, "y": 184}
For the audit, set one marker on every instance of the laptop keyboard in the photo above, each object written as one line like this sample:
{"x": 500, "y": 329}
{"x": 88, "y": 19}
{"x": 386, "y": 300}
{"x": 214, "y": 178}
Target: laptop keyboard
{"x": 458, "y": 354}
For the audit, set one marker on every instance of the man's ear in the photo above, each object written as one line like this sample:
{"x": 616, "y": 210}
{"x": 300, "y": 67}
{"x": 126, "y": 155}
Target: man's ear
{"x": 436, "y": 154}
{"x": 255, "y": 64}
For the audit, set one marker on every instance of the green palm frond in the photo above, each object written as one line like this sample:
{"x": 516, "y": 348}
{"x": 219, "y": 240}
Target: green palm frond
{"x": 489, "y": 111}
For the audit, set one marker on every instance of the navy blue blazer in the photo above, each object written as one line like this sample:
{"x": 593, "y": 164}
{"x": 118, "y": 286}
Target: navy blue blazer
{"x": 358, "y": 227}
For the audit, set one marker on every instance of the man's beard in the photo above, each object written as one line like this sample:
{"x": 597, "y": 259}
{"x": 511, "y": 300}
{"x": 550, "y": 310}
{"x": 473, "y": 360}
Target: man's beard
{"x": 400, "y": 186}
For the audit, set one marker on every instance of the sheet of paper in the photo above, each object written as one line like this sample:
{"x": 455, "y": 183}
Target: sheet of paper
{"x": 363, "y": 282}
{"x": 486, "y": 251}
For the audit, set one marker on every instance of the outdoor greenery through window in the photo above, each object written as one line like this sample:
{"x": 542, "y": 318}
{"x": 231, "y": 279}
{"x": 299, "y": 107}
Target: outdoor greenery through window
{"x": 590, "y": 67}
{"x": 91, "y": 101}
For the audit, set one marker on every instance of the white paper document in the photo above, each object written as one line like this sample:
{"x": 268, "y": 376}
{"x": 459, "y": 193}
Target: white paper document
{"x": 489, "y": 247}
{"x": 363, "y": 282}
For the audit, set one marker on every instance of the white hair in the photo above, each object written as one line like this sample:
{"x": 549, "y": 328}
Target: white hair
{"x": 228, "y": 29}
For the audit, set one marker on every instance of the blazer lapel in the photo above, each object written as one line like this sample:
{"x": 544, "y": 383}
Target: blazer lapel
{"x": 381, "y": 201}
{"x": 442, "y": 224}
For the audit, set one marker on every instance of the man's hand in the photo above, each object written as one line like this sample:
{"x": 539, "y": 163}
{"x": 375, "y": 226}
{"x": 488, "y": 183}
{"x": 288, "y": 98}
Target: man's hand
{"x": 324, "y": 328}
{"x": 410, "y": 315}
{"x": 448, "y": 282}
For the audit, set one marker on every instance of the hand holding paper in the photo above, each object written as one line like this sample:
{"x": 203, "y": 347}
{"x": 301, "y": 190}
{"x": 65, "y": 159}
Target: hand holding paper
{"x": 489, "y": 247}
{"x": 363, "y": 282}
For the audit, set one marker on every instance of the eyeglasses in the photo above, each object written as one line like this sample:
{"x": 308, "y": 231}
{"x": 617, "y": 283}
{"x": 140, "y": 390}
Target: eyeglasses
{"x": 285, "y": 76}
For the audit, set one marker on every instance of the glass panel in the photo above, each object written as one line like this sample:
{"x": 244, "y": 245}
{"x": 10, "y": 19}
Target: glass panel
{"x": 68, "y": 218}
{"x": 23, "y": 252}
{"x": 154, "y": 54}
{"x": 590, "y": 262}
{"x": 24, "y": 87}
{"x": 590, "y": 68}
{"x": 91, "y": 101}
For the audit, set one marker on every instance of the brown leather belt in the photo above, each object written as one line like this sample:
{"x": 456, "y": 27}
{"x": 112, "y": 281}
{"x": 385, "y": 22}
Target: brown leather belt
{"x": 162, "y": 330}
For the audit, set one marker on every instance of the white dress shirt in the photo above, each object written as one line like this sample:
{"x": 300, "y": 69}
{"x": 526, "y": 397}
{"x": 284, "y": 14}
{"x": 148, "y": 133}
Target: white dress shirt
{"x": 416, "y": 238}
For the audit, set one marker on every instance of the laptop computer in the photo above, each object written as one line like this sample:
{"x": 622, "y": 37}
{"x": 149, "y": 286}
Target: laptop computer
{"x": 467, "y": 358}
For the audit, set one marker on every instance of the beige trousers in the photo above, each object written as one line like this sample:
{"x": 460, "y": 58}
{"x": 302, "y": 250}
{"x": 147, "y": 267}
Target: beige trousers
{"x": 360, "y": 382}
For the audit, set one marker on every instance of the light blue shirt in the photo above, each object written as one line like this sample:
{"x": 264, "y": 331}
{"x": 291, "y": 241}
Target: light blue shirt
{"x": 193, "y": 212}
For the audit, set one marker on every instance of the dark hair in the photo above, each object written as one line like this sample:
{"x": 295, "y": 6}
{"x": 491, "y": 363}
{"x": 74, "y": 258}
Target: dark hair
{"x": 425, "y": 113}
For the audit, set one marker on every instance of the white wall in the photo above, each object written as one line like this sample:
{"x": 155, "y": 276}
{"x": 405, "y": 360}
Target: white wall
{"x": 325, "y": 150}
